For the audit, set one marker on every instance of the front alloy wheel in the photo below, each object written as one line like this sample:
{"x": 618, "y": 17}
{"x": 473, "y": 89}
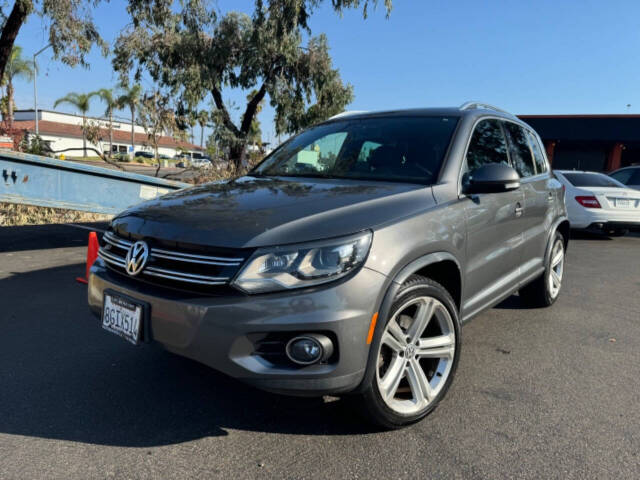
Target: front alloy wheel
{"x": 415, "y": 357}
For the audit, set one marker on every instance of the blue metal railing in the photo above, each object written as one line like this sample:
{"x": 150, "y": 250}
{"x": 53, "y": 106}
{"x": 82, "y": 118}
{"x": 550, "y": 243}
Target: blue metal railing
{"x": 35, "y": 180}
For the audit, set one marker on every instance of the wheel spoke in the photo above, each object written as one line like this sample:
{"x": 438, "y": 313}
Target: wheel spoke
{"x": 418, "y": 383}
{"x": 441, "y": 346}
{"x": 557, "y": 258}
{"x": 392, "y": 342}
{"x": 389, "y": 383}
{"x": 395, "y": 331}
{"x": 555, "y": 278}
{"x": 421, "y": 319}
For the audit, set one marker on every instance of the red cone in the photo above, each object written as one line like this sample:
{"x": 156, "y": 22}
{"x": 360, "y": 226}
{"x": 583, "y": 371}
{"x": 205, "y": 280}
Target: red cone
{"x": 92, "y": 254}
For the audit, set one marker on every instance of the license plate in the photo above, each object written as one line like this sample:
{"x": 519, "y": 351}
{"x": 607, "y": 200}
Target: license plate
{"x": 623, "y": 203}
{"x": 122, "y": 317}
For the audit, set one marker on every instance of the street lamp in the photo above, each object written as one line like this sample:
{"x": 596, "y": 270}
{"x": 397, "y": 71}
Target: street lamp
{"x": 35, "y": 88}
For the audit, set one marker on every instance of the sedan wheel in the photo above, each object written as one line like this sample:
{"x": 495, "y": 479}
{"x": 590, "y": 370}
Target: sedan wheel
{"x": 416, "y": 355}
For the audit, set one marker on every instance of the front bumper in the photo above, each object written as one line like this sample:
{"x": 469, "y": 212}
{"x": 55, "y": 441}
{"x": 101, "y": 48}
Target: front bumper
{"x": 220, "y": 331}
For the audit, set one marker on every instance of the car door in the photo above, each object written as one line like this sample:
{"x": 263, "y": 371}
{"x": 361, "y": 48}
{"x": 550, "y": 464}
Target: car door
{"x": 494, "y": 226}
{"x": 538, "y": 196}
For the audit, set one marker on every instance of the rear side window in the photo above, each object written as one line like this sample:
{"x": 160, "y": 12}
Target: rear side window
{"x": 590, "y": 180}
{"x": 538, "y": 157}
{"x": 487, "y": 145}
{"x": 521, "y": 156}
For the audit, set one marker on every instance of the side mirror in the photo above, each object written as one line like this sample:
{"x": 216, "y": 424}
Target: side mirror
{"x": 492, "y": 178}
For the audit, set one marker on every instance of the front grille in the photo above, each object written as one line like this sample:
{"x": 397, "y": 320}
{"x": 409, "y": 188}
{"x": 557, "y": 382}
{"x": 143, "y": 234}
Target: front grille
{"x": 187, "y": 269}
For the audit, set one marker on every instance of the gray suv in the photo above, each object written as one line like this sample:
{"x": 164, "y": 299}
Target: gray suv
{"x": 347, "y": 261}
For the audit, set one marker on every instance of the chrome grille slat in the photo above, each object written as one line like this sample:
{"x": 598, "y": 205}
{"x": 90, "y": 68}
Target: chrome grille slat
{"x": 154, "y": 253}
{"x": 167, "y": 265}
{"x": 183, "y": 256}
{"x": 107, "y": 257}
{"x": 186, "y": 275}
{"x": 181, "y": 279}
{"x": 116, "y": 242}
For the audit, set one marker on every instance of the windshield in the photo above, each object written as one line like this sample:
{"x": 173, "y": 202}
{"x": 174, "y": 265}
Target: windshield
{"x": 591, "y": 180}
{"x": 399, "y": 149}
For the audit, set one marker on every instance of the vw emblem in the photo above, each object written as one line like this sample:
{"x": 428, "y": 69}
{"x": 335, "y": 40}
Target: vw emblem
{"x": 136, "y": 258}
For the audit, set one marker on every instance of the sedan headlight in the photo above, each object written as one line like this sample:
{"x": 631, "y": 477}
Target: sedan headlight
{"x": 303, "y": 265}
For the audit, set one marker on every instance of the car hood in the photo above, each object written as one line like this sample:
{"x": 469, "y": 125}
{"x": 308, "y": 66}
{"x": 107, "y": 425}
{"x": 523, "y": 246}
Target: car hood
{"x": 253, "y": 212}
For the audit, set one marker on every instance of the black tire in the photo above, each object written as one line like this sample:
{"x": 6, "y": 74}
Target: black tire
{"x": 370, "y": 402}
{"x": 537, "y": 294}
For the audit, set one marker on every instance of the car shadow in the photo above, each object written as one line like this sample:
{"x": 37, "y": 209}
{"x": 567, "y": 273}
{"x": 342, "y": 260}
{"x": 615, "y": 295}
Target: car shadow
{"x": 510, "y": 303}
{"x": 63, "y": 377}
{"x": 588, "y": 235}
{"x": 40, "y": 237}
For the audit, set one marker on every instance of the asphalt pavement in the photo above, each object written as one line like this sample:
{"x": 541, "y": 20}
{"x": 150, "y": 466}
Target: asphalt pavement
{"x": 539, "y": 393}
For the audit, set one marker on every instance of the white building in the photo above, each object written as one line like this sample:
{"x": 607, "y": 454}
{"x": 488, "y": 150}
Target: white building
{"x": 64, "y": 130}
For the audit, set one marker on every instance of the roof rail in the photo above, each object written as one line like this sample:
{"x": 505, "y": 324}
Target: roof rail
{"x": 347, "y": 114}
{"x": 485, "y": 106}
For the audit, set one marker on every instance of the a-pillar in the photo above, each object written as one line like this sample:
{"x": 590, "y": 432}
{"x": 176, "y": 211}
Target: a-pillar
{"x": 614, "y": 157}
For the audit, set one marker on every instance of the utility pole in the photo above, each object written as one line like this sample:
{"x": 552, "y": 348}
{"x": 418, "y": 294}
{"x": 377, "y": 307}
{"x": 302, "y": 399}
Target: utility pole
{"x": 35, "y": 87}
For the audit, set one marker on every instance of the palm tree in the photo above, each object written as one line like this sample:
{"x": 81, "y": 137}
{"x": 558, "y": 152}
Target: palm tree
{"x": 82, "y": 102}
{"x": 106, "y": 95}
{"x": 131, "y": 98}
{"x": 17, "y": 67}
{"x": 202, "y": 117}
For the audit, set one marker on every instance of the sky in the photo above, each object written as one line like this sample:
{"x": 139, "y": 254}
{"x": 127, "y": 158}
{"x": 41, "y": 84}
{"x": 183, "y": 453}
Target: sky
{"x": 528, "y": 57}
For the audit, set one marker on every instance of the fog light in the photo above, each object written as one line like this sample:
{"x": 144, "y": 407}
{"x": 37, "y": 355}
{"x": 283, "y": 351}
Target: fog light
{"x": 309, "y": 349}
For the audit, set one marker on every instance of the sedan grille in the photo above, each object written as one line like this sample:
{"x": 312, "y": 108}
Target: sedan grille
{"x": 188, "y": 269}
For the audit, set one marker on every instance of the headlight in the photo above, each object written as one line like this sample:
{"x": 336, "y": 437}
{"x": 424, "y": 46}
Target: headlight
{"x": 303, "y": 265}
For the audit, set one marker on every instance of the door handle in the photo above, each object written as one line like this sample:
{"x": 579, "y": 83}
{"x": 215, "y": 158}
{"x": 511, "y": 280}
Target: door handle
{"x": 519, "y": 210}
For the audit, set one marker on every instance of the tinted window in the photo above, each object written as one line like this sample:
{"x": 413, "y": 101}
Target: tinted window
{"x": 628, "y": 176}
{"x": 405, "y": 149}
{"x": 521, "y": 156}
{"x": 591, "y": 180}
{"x": 538, "y": 157}
{"x": 487, "y": 145}
{"x": 623, "y": 176}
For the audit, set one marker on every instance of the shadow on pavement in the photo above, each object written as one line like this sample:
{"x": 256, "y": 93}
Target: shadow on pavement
{"x": 41, "y": 237}
{"x": 63, "y": 377}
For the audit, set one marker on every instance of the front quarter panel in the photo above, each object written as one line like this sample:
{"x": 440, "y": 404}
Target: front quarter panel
{"x": 438, "y": 228}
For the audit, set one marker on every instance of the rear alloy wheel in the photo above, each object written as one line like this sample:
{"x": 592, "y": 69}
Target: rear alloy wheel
{"x": 556, "y": 270}
{"x": 544, "y": 290}
{"x": 417, "y": 355}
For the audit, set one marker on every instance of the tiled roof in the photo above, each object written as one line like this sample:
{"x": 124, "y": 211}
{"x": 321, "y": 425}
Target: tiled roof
{"x": 46, "y": 127}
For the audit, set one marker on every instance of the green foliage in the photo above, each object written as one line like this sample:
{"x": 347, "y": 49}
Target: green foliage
{"x": 294, "y": 14}
{"x": 17, "y": 67}
{"x": 111, "y": 102}
{"x": 69, "y": 24}
{"x": 158, "y": 118}
{"x": 35, "y": 145}
{"x": 81, "y": 101}
{"x": 196, "y": 55}
{"x": 71, "y": 29}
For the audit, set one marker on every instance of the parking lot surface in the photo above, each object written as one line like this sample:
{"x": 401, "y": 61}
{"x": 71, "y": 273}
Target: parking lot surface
{"x": 539, "y": 393}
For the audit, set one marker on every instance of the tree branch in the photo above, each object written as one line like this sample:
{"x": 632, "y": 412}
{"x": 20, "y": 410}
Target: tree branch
{"x": 217, "y": 98}
{"x": 10, "y": 30}
{"x": 250, "y": 111}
